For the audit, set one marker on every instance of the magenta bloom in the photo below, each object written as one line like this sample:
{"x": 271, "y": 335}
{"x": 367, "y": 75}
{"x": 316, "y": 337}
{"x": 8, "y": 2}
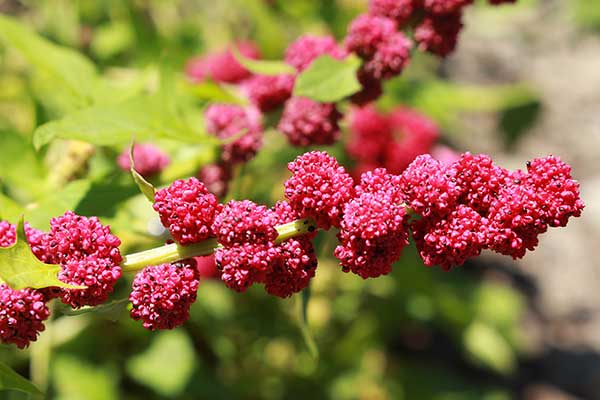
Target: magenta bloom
{"x": 8, "y": 235}
{"x": 216, "y": 177}
{"x": 398, "y": 10}
{"x": 452, "y": 239}
{"x": 207, "y": 267}
{"x": 162, "y": 295}
{"x": 22, "y": 315}
{"x": 268, "y": 92}
{"x": 445, "y": 6}
{"x": 304, "y": 50}
{"x": 319, "y": 188}
{"x": 306, "y": 122}
{"x": 227, "y": 120}
{"x": 244, "y": 222}
{"x": 148, "y": 159}
{"x": 222, "y": 66}
{"x": 247, "y": 263}
{"x": 366, "y": 33}
{"x": 371, "y": 133}
{"x": 390, "y": 58}
{"x": 438, "y": 34}
{"x": 187, "y": 209}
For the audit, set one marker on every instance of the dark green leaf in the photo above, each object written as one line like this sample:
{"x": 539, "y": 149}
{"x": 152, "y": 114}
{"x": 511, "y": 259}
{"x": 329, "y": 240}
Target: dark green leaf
{"x": 10, "y": 380}
{"x": 111, "y": 310}
{"x": 146, "y": 187}
{"x": 20, "y": 268}
{"x": 301, "y": 312}
{"x": 329, "y": 80}
{"x": 263, "y": 67}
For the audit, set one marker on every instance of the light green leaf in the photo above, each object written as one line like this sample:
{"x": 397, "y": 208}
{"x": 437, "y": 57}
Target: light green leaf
{"x": 9, "y": 210}
{"x": 114, "y": 124}
{"x": 10, "y": 380}
{"x": 145, "y": 187}
{"x": 262, "y": 67}
{"x": 301, "y": 313}
{"x": 20, "y": 167}
{"x": 489, "y": 348}
{"x": 214, "y": 92}
{"x": 76, "y": 379}
{"x": 71, "y": 74}
{"x": 111, "y": 310}
{"x": 20, "y": 268}
{"x": 329, "y": 80}
{"x": 172, "y": 348}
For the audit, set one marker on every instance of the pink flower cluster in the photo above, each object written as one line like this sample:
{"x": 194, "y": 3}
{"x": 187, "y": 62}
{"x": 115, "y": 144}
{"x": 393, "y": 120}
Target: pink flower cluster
{"x": 148, "y": 159}
{"x": 88, "y": 255}
{"x": 391, "y": 140}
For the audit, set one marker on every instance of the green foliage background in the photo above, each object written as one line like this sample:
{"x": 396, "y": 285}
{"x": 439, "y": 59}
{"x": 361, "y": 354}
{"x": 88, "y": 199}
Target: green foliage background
{"x": 72, "y": 97}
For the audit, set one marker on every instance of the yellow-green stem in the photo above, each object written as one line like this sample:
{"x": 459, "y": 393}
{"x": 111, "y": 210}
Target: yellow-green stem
{"x": 174, "y": 252}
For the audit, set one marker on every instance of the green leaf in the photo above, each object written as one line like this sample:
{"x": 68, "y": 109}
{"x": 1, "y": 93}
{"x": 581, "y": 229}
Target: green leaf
{"x": 329, "y": 80}
{"x": 71, "y": 74}
{"x": 148, "y": 367}
{"x": 20, "y": 167}
{"x": 262, "y": 67}
{"x": 112, "y": 310}
{"x": 75, "y": 379}
{"x": 20, "y": 268}
{"x": 9, "y": 210}
{"x": 114, "y": 124}
{"x": 301, "y": 312}
{"x": 146, "y": 187}
{"x": 10, "y": 380}
{"x": 489, "y": 348}
{"x": 214, "y": 92}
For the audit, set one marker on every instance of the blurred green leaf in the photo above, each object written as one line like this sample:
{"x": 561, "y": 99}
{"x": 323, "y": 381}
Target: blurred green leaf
{"x": 489, "y": 348}
{"x": 169, "y": 348}
{"x": 20, "y": 268}
{"x": 302, "y": 314}
{"x": 145, "y": 187}
{"x": 328, "y": 80}
{"x": 262, "y": 67}
{"x": 112, "y": 39}
{"x": 10, "y": 380}
{"x": 214, "y": 92}
{"x": 20, "y": 166}
{"x": 75, "y": 379}
{"x": 9, "y": 210}
{"x": 113, "y": 310}
{"x": 72, "y": 75}
{"x": 112, "y": 124}
{"x": 516, "y": 120}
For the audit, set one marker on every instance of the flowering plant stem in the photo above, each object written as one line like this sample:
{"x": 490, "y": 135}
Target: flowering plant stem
{"x": 175, "y": 252}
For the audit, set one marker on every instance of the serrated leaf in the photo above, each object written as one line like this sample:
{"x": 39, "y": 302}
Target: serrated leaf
{"x": 72, "y": 75}
{"x": 328, "y": 80}
{"x": 114, "y": 124}
{"x": 301, "y": 313}
{"x": 10, "y": 380}
{"x": 20, "y": 268}
{"x": 146, "y": 187}
{"x": 262, "y": 67}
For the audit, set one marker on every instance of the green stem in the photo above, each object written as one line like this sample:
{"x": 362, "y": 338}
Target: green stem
{"x": 174, "y": 252}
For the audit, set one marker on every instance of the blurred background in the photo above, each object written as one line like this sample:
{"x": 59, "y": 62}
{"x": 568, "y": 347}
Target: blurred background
{"x": 523, "y": 83}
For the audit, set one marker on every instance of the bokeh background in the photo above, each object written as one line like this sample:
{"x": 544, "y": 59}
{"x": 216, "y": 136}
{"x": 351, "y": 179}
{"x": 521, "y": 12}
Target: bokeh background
{"x": 524, "y": 82}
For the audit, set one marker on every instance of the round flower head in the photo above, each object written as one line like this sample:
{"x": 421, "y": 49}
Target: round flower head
{"x": 379, "y": 180}
{"x": 398, "y": 10}
{"x": 390, "y": 58}
{"x": 222, "y": 66}
{"x": 268, "y": 92}
{"x": 162, "y": 295}
{"x": 306, "y": 122}
{"x": 244, "y": 264}
{"x": 373, "y": 233}
{"x": 428, "y": 188}
{"x": 478, "y": 179}
{"x": 99, "y": 275}
{"x": 227, "y": 120}
{"x": 371, "y": 89}
{"x": 438, "y": 34}
{"x": 22, "y": 315}
{"x": 216, "y": 177}
{"x": 301, "y": 53}
{"x": 244, "y": 222}
{"x": 371, "y": 133}
{"x": 319, "y": 188}
{"x": 450, "y": 240}
{"x": 445, "y": 6}
{"x": 148, "y": 159}
{"x": 187, "y": 209}
{"x": 8, "y": 234}
{"x": 293, "y": 269}
{"x": 366, "y": 33}
{"x": 557, "y": 192}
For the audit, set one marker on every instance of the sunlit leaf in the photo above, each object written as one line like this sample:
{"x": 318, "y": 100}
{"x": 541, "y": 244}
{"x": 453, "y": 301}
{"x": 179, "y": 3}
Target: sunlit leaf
{"x": 145, "y": 187}
{"x": 10, "y": 380}
{"x": 20, "y": 268}
{"x": 263, "y": 67}
{"x": 329, "y": 80}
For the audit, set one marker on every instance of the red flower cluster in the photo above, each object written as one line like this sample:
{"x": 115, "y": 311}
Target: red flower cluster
{"x": 389, "y": 140}
{"x": 148, "y": 159}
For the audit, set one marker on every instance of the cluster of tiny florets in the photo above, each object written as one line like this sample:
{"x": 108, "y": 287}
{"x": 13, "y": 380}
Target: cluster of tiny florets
{"x": 216, "y": 177}
{"x": 222, "y": 66}
{"x": 244, "y": 221}
{"x": 187, "y": 209}
{"x": 304, "y": 50}
{"x": 268, "y": 92}
{"x": 22, "y": 315}
{"x": 305, "y": 122}
{"x": 162, "y": 295}
{"x": 319, "y": 188}
{"x": 147, "y": 158}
